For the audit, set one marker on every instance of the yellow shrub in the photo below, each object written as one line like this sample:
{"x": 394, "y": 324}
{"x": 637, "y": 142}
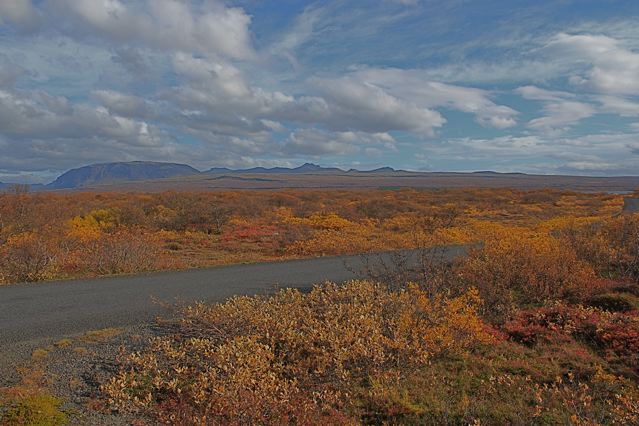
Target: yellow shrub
{"x": 290, "y": 353}
{"x": 27, "y": 257}
{"x": 91, "y": 226}
{"x": 527, "y": 269}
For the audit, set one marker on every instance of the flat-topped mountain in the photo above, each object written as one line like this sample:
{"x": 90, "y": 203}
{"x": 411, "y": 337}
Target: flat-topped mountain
{"x": 97, "y": 174}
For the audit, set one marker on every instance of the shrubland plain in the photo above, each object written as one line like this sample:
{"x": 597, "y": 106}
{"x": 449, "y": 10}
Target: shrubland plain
{"x": 537, "y": 324}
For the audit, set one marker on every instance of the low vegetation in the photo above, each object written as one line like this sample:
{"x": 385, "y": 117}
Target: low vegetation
{"x": 71, "y": 235}
{"x": 538, "y": 324}
{"x": 527, "y": 329}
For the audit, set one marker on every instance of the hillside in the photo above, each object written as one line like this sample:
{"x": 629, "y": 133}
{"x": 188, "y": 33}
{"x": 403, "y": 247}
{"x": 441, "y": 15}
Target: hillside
{"x": 97, "y": 174}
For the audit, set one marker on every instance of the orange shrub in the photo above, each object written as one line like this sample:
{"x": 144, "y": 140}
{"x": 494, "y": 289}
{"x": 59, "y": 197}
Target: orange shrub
{"x": 119, "y": 253}
{"x": 266, "y": 359}
{"x": 520, "y": 269}
{"x": 26, "y": 257}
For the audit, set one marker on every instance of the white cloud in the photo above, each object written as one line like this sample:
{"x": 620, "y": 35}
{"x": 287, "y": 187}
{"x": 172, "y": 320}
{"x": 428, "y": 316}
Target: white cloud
{"x": 591, "y": 166}
{"x": 560, "y": 109}
{"x": 358, "y": 105}
{"x": 21, "y": 13}
{"x": 415, "y": 87}
{"x": 559, "y": 115}
{"x": 611, "y": 68}
{"x": 537, "y": 94}
{"x": 212, "y": 28}
{"x": 316, "y": 143}
{"x": 619, "y": 105}
{"x": 616, "y": 153}
{"x": 123, "y": 104}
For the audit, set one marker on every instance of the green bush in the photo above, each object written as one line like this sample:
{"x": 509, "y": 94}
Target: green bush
{"x": 614, "y": 302}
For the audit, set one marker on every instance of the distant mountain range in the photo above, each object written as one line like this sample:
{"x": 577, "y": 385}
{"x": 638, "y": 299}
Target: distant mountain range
{"x": 98, "y": 174}
{"x": 305, "y": 168}
{"x": 109, "y": 173}
{"x": 150, "y": 175}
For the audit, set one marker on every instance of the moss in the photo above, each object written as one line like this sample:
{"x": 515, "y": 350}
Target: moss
{"x": 80, "y": 350}
{"x": 63, "y": 343}
{"x": 615, "y": 302}
{"x": 103, "y": 335}
{"x": 39, "y": 354}
{"x": 34, "y": 410}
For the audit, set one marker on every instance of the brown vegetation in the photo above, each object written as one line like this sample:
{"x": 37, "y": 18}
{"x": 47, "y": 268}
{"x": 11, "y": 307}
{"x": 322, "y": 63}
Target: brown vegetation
{"x": 47, "y": 236}
{"x": 539, "y": 324}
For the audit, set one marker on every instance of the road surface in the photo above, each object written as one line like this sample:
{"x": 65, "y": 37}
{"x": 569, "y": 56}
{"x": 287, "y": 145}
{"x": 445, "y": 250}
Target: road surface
{"x": 30, "y": 313}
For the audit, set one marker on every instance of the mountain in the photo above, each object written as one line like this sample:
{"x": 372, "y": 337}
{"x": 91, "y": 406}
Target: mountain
{"x": 114, "y": 172}
{"x": 379, "y": 170}
{"x": 305, "y": 168}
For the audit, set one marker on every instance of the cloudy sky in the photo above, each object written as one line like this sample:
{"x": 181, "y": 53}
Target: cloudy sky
{"x": 460, "y": 85}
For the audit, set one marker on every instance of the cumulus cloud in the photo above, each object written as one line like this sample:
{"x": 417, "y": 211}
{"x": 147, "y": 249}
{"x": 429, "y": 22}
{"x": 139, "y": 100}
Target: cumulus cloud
{"x": 20, "y": 13}
{"x": 39, "y": 130}
{"x": 612, "y": 68}
{"x": 316, "y": 143}
{"x": 122, "y": 104}
{"x": 211, "y": 28}
{"x": 358, "y": 105}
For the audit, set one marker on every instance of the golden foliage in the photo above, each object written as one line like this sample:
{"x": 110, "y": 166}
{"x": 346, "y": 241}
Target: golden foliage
{"x": 268, "y": 359}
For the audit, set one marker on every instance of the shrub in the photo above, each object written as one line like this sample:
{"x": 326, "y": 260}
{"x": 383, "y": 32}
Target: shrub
{"x": 614, "y": 335}
{"x": 120, "y": 253}
{"x": 614, "y": 302}
{"x": 267, "y": 360}
{"x": 26, "y": 257}
{"x": 610, "y": 245}
{"x": 480, "y": 389}
{"x": 524, "y": 270}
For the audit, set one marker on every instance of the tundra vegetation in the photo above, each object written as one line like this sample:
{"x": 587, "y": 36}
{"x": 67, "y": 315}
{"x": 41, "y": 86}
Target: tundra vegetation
{"x": 539, "y": 324}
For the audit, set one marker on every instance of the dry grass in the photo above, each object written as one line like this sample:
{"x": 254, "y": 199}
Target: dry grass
{"x": 63, "y": 343}
{"x": 99, "y": 336}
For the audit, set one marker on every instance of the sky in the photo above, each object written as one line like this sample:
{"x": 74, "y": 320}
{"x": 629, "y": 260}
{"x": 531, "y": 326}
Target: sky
{"x": 548, "y": 87}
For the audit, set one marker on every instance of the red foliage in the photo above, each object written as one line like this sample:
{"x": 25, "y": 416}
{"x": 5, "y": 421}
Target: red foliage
{"x": 615, "y": 335}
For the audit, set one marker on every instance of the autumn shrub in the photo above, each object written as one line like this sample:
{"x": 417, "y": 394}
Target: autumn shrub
{"x": 614, "y": 335}
{"x": 515, "y": 270}
{"x": 270, "y": 359}
{"x": 118, "y": 253}
{"x": 27, "y": 257}
{"x": 611, "y": 245}
{"x": 614, "y": 302}
{"x": 480, "y": 390}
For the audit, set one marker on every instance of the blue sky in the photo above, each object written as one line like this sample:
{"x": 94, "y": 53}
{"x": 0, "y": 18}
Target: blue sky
{"x": 546, "y": 87}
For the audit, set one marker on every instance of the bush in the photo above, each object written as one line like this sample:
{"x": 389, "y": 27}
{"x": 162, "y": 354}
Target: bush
{"x": 522, "y": 270}
{"x": 120, "y": 253}
{"x": 267, "y": 360}
{"x": 614, "y": 302}
{"x": 614, "y": 335}
{"x": 26, "y": 257}
{"x": 610, "y": 245}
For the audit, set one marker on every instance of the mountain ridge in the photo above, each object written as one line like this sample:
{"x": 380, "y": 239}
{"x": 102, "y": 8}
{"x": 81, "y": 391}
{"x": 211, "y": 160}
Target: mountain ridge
{"x": 96, "y": 174}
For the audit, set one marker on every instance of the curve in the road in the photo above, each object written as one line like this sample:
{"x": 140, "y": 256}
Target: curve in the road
{"x": 55, "y": 309}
